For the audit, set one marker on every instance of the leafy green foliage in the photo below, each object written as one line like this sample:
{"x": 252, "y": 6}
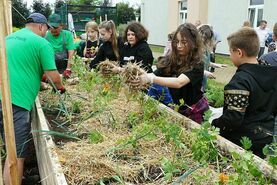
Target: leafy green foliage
{"x": 133, "y": 118}
{"x": 204, "y": 149}
{"x": 169, "y": 168}
{"x": 246, "y": 143}
{"x": 43, "y": 8}
{"x": 58, "y": 4}
{"x": 215, "y": 93}
{"x": 85, "y": 2}
{"x": 95, "y": 137}
{"x": 271, "y": 152}
{"x": 125, "y": 13}
{"x": 76, "y": 106}
{"x": 247, "y": 171}
{"x": 21, "y": 7}
{"x": 121, "y": 28}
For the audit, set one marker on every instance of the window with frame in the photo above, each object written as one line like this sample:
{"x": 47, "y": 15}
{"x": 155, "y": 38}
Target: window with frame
{"x": 255, "y": 12}
{"x": 183, "y": 11}
{"x": 256, "y": 2}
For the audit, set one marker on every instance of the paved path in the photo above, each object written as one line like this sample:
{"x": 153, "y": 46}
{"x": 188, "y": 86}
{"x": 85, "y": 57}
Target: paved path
{"x": 223, "y": 75}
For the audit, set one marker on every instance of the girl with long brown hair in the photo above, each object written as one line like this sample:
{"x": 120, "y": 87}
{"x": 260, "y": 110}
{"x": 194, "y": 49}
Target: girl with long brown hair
{"x": 182, "y": 72}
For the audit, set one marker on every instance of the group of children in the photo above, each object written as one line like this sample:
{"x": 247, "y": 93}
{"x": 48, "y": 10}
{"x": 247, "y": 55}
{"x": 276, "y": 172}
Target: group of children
{"x": 104, "y": 43}
{"x": 250, "y": 106}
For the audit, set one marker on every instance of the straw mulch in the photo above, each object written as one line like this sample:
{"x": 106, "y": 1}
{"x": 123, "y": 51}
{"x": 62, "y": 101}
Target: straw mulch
{"x": 112, "y": 160}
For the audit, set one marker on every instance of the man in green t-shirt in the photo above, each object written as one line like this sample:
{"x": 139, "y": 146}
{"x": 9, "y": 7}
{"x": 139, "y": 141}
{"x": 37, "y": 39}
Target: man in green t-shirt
{"x": 63, "y": 44}
{"x": 29, "y": 57}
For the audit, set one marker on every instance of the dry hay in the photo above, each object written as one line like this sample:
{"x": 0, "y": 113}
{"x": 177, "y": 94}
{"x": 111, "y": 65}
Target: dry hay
{"x": 105, "y": 67}
{"x": 84, "y": 162}
{"x": 132, "y": 73}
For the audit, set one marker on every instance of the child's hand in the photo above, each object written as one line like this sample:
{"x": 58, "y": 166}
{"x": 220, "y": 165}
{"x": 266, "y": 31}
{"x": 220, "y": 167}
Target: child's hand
{"x": 220, "y": 65}
{"x": 111, "y": 69}
{"x": 209, "y": 74}
{"x": 147, "y": 78}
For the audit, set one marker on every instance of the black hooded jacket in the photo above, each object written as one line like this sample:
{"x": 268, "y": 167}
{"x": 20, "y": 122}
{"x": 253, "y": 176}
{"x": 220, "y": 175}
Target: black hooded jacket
{"x": 106, "y": 52}
{"x": 139, "y": 53}
{"x": 250, "y": 104}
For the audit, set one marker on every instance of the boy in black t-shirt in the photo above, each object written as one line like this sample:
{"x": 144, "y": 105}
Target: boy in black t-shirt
{"x": 250, "y": 100}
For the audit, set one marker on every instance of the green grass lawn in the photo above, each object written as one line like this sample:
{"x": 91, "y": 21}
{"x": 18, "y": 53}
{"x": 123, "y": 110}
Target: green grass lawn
{"x": 157, "y": 49}
{"x": 221, "y": 59}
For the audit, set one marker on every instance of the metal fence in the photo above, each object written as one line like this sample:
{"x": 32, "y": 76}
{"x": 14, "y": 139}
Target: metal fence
{"x": 81, "y": 14}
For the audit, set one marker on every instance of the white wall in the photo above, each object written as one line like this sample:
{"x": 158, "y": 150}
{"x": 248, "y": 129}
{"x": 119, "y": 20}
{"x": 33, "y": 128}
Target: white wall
{"x": 270, "y": 12}
{"x": 154, "y": 16}
{"x": 226, "y": 17}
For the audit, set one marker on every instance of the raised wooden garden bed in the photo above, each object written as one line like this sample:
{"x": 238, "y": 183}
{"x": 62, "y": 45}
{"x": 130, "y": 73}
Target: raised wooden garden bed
{"x": 111, "y": 137}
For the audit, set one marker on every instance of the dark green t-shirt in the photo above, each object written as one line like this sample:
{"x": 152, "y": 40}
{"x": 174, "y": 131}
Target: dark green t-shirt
{"x": 29, "y": 55}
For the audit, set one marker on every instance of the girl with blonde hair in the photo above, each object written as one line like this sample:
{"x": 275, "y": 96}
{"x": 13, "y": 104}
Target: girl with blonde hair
{"x": 112, "y": 44}
{"x": 90, "y": 47}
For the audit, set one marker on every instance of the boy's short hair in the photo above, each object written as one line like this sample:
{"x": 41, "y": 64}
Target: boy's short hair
{"x": 246, "y": 39}
{"x": 263, "y": 21}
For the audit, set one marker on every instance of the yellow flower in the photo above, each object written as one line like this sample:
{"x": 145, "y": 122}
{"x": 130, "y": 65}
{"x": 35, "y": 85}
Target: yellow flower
{"x": 223, "y": 178}
{"x": 106, "y": 88}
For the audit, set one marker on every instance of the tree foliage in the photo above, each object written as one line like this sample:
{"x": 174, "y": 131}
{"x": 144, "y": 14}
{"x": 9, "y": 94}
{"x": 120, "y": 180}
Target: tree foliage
{"x": 106, "y": 3}
{"x": 85, "y": 2}
{"x": 58, "y": 4}
{"x": 43, "y": 8}
{"x": 19, "y": 13}
{"x": 125, "y": 13}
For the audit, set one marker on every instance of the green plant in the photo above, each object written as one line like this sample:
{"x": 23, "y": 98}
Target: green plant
{"x": 204, "y": 148}
{"x": 215, "y": 93}
{"x": 121, "y": 28}
{"x": 185, "y": 175}
{"x": 170, "y": 168}
{"x": 247, "y": 171}
{"x": 271, "y": 152}
{"x": 76, "y": 106}
{"x": 95, "y": 137}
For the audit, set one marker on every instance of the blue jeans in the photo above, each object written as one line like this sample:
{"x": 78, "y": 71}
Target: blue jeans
{"x": 160, "y": 93}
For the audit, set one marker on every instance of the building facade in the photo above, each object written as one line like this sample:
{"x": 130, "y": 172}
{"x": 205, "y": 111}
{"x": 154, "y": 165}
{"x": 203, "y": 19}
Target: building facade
{"x": 163, "y": 16}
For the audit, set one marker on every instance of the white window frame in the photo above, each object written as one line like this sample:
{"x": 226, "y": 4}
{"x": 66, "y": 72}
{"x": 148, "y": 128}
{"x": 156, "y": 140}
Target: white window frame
{"x": 183, "y": 14}
{"x": 256, "y": 8}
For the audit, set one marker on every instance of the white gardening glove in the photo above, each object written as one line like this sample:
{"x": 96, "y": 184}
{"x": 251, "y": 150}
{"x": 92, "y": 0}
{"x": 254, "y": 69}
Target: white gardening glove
{"x": 147, "y": 78}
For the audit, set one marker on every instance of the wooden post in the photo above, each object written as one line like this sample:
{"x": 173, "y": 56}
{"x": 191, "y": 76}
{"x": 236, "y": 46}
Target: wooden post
{"x": 5, "y": 29}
